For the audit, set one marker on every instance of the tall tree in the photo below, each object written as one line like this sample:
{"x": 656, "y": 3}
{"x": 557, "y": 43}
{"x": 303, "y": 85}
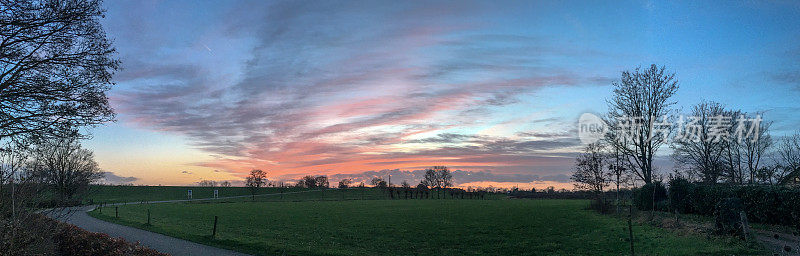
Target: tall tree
{"x": 445, "y": 178}
{"x": 56, "y": 65}
{"x": 590, "y": 169}
{"x": 378, "y": 182}
{"x": 636, "y": 116}
{"x": 697, "y": 148}
{"x": 755, "y": 145}
{"x": 255, "y": 181}
{"x": 65, "y": 165}
{"x": 430, "y": 179}
{"x": 789, "y": 151}
{"x": 345, "y": 183}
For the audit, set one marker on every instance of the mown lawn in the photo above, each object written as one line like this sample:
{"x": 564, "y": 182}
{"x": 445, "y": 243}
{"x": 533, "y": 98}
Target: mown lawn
{"x": 414, "y": 227}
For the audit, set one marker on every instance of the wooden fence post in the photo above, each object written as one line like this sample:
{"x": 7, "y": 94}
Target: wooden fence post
{"x": 148, "y": 217}
{"x": 116, "y": 212}
{"x": 214, "y": 231}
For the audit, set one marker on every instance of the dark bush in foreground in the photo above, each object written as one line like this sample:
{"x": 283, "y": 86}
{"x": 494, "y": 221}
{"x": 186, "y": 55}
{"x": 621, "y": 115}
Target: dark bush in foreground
{"x": 51, "y": 237}
{"x": 644, "y": 198}
{"x": 763, "y": 204}
{"x": 728, "y": 218}
{"x": 72, "y": 240}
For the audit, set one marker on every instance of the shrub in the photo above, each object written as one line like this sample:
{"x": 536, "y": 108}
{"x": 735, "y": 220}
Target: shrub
{"x": 644, "y": 198}
{"x": 680, "y": 191}
{"x": 727, "y": 216}
{"x": 763, "y": 204}
{"x": 72, "y": 240}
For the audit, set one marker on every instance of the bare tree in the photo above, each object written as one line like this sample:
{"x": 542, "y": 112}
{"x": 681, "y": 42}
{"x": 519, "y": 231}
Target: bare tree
{"x": 321, "y": 181}
{"x": 590, "y": 170}
{"x": 55, "y": 66}
{"x": 733, "y": 152}
{"x": 640, "y": 99}
{"x": 444, "y": 176}
{"x": 345, "y": 183}
{"x": 255, "y": 181}
{"x": 63, "y": 164}
{"x": 756, "y": 146}
{"x": 619, "y": 175}
{"x": 789, "y": 151}
{"x": 225, "y": 184}
{"x": 696, "y": 147}
{"x": 430, "y": 179}
{"x": 378, "y": 182}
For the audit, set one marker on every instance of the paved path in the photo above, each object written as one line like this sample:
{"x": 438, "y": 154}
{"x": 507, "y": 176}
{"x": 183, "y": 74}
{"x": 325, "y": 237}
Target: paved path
{"x": 159, "y": 242}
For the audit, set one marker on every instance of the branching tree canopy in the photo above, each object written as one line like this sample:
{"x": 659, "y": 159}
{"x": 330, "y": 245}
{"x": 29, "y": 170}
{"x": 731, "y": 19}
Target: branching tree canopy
{"x": 255, "y": 180}
{"x": 695, "y": 147}
{"x": 430, "y": 179}
{"x": 756, "y": 148}
{"x": 641, "y": 100}
{"x": 345, "y": 183}
{"x": 590, "y": 172}
{"x": 64, "y": 164}
{"x": 444, "y": 177}
{"x": 56, "y": 64}
{"x": 378, "y": 182}
{"x": 789, "y": 151}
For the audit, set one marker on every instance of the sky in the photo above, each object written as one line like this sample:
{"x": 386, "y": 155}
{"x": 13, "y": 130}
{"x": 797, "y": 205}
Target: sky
{"x": 358, "y": 89}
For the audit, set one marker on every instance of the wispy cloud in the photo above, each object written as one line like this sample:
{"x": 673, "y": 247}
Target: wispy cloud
{"x": 343, "y": 87}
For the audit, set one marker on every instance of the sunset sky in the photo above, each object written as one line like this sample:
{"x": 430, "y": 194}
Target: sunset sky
{"x": 213, "y": 89}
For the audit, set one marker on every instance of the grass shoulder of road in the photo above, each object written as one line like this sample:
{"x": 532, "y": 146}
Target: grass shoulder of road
{"x": 423, "y": 227}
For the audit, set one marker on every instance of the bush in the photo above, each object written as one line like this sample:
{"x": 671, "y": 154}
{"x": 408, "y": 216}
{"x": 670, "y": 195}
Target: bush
{"x": 763, "y": 204}
{"x": 643, "y": 197}
{"x": 680, "y": 191}
{"x": 72, "y": 240}
{"x": 727, "y": 216}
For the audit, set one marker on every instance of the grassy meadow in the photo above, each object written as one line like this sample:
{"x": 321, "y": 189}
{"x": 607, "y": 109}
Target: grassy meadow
{"x": 413, "y": 227}
{"x": 123, "y": 194}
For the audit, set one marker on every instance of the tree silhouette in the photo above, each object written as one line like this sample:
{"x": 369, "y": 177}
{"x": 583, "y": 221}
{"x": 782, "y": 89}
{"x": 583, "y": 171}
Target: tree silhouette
{"x": 590, "y": 170}
{"x": 641, "y": 98}
{"x": 63, "y": 164}
{"x": 696, "y": 148}
{"x": 55, "y": 67}
{"x": 255, "y": 181}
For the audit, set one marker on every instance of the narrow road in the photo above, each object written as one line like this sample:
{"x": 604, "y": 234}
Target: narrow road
{"x": 158, "y": 242}
{"x": 166, "y": 244}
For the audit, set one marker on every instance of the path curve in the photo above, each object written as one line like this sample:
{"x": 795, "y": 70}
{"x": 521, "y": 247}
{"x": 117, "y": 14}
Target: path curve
{"x": 158, "y": 242}
{"x": 79, "y": 217}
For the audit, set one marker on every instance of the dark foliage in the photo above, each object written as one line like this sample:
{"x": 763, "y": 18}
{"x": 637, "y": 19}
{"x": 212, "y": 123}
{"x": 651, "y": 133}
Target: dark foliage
{"x": 763, "y": 204}
{"x": 679, "y": 189}
{"x": 643, "y": 197}
{"x": 727, "y": 217}
{"x": 71, "y": 240}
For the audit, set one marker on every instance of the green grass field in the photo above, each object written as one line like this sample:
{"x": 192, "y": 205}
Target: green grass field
{"x": 402, "y": 227}
{"x": 122, "y": 194}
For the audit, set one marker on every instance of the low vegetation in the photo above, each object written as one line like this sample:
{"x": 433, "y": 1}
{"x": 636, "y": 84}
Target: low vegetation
{"x": 402, "y": 227}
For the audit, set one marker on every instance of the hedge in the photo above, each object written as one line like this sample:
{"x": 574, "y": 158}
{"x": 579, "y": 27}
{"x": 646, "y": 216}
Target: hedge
{"x": 763, "y": 204}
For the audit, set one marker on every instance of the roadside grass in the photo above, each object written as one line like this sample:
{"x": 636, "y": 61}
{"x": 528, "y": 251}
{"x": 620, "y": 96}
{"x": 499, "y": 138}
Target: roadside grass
{"x": 415, "y": 227}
